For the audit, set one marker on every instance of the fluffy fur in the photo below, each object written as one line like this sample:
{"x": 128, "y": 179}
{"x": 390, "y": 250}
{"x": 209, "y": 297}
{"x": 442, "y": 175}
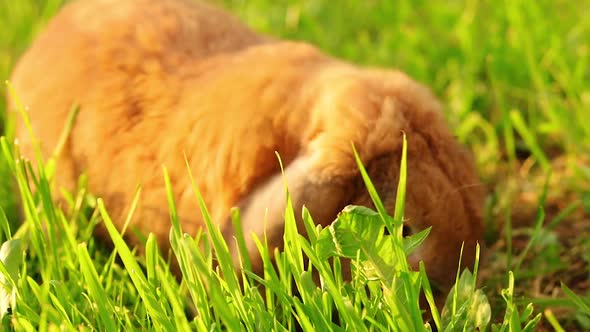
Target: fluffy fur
{"x": 155, "y": 79}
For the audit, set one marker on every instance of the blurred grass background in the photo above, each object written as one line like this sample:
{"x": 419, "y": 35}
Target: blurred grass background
{"x": 514, "y": 79}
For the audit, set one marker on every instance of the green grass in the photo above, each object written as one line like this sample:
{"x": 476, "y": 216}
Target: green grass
{"x": 513, "y": 76}
{"x": 66, "y": 281}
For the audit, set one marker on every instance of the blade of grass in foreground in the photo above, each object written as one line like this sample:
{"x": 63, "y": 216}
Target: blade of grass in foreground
{"x": 373, "y": 192}
{"x": 229, "y": 281}
{"x": 96, "y": 291}
{"x": 291, "y": 234}
{"x": 396, "y": 228}
{"x": 553, "y": 321}
{"x": 219, "y": 245}
{"x": 144, "y": 289}
{"x": 429, "y": 296}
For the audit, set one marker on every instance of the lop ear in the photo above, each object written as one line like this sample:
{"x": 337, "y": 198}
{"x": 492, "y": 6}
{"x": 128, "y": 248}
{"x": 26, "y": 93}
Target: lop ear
{"x": 263, "y": 210}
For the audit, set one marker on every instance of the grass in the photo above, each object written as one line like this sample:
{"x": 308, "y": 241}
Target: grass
{"x": 513, "y": 76}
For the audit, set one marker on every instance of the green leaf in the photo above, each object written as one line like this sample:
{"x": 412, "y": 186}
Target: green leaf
{"x": 359, "y": 232}
{"x": 415, "y": 240}
{"x": 11, "y": 256}
{"x": 474, "y": 311}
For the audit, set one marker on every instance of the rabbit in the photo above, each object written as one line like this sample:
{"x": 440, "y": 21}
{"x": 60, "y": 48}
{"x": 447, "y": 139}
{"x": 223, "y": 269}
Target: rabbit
{"x": 156, "y": 80}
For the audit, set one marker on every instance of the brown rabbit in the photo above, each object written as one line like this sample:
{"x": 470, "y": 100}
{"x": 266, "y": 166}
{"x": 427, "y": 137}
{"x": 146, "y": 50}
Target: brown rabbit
{"x": 155, "y": 79}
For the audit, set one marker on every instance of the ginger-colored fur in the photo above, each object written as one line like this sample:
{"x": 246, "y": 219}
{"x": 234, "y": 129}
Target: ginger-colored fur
{"x": 155, "y": 79}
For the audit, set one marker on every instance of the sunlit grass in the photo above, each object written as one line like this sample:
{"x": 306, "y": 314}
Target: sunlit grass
{"x": 65, "y": 281}
{"x": 513, "y": 77}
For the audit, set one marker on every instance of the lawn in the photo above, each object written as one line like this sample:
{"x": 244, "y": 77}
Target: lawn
{"x": 514, "y": 79}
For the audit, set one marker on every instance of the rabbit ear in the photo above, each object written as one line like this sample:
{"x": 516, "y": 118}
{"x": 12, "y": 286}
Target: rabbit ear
{"x": 263, "y": 211}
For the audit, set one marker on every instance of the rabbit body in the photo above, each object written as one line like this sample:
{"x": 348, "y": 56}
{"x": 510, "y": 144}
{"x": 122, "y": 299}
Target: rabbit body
{"x": 156, "y": 80}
